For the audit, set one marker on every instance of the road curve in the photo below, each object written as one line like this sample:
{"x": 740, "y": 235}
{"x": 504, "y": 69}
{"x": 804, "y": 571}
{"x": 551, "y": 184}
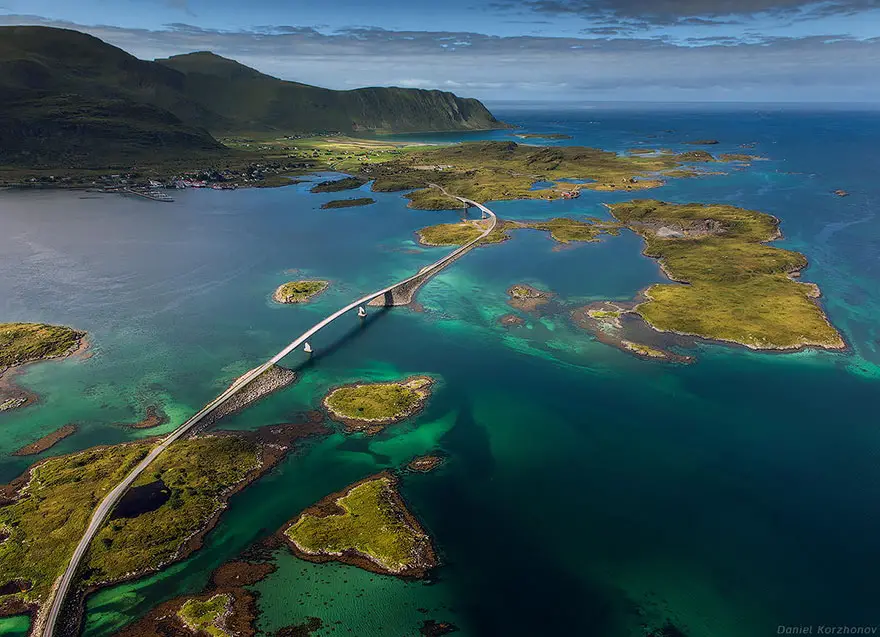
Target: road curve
{"x": 63, "y": 585}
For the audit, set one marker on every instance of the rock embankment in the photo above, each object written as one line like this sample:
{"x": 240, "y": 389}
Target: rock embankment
{"x": 273, "y": 379}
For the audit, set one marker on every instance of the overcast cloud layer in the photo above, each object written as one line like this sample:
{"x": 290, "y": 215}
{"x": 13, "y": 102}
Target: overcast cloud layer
{"x": 616, "y": 54}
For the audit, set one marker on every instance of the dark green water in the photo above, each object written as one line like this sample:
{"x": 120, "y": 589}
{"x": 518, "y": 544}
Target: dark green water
{"x": 587, "y": 492}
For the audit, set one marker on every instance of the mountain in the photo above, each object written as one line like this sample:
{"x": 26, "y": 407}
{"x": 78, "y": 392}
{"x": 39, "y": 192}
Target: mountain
{"x": 72, "y": 99}
{"x": 248, "y": 100}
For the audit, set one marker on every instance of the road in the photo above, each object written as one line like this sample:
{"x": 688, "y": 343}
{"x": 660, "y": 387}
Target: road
{"x": 62, "y": 588}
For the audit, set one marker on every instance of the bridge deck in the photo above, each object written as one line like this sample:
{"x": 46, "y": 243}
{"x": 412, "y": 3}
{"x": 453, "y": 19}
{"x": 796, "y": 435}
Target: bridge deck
{"x": 62, "y": 587}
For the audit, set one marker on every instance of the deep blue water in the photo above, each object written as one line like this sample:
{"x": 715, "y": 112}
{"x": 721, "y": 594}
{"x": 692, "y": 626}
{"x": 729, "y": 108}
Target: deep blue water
{"x": 587, "y": 492}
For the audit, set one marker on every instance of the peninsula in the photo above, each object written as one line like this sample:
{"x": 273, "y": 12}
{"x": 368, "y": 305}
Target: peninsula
{"x": 370, "y": 407}
{"x": 366, "y": 525}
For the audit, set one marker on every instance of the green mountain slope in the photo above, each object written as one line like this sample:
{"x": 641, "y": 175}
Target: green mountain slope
{"x": 249, "y": 100}
{"x": 70, "y": 99}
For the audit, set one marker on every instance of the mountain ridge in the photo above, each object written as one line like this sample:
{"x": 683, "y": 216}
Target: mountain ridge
{"x": 71, "y": 98}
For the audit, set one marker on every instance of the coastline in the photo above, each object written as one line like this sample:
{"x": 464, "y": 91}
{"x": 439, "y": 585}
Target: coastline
{"x": 329, "y": 506}
{"x": 372, "y": 426}
{"x": 21, "y": 397}
{"x": 275, "y": 442}
{"x": 814, "y": 294}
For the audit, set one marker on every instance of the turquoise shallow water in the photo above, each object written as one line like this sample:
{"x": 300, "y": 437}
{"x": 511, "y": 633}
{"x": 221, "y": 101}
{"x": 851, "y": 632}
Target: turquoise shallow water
{"x": 586, "y": 491}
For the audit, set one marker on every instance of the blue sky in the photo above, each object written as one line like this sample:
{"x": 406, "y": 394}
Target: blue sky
{"x": 568, "y": 50}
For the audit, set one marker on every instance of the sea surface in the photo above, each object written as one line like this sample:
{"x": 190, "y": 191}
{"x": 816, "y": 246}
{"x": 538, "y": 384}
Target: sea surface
{"x": 586, "y": 492}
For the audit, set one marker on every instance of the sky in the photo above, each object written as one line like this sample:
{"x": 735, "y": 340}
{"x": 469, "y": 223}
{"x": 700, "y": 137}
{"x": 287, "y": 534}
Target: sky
{"x": 567, "y": 51}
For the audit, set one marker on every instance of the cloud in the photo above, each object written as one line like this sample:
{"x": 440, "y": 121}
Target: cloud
{"x": 827, "y": 67}
{"x": 705, "y": 12}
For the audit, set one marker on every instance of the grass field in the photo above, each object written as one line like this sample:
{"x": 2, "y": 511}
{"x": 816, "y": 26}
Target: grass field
{"x": 299, "y": 291}
{"x": 45, "y": 524}
{"x": 206, "y": 616}
{"x": 739, "y": 288}
{"x": 371, "y": 521}
{"x": 25, "y": 342}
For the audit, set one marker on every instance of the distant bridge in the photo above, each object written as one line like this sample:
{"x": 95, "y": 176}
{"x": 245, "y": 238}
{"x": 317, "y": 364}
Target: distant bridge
{"x": 400, "y": 293}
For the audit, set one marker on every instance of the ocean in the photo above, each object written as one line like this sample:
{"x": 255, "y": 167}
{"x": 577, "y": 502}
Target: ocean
{"x": 586, "y": 491}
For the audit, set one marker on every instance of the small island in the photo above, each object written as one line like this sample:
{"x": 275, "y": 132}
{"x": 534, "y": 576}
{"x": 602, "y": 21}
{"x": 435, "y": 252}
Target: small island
{"x": 155, "y": 416}
{"x": 299, "y": 291}
{"x": 425, "y": 464}
{"x": 370, "y": 407}
{"x": 23, "y": 343}
{"x": 511, "y": 320}
{"x": 605, "y": 320}
{"x": 565, "y": 230}
{"x": 338, "y": 185}
{"x": 740, "y": 157}
{"x": 841, "y": 193}
{"x": 561, "y": 229}
{"x": 225, "y": 608}
{"x": 527, "y": 298}
{"x": 348, "y": 203}
{"x": 366, "y": 525}
{"x": 47, "y": 441}
{"x": 458, "y": 234}
{"x": 207, "y": 616}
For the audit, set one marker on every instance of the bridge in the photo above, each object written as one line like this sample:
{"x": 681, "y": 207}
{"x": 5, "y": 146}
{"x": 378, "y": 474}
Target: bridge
{"x": 400, "y": 293}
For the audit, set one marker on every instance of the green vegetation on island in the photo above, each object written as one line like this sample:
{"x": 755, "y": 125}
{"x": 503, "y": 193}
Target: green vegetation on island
{"x": 197, "y": 472}
{"x": 566, "y": 230}
{"x": 46, "y": 521}
{"x": 739, "y": 157}
{"x": 338, "y": 185}
{"x": 299, "y": 291}
{"x": 561, "y": 229}
{"x": 459, "y": 234}
{"x": 27, "y": 342}
{"x": 160, "y": 520}
{"x": 348, "y": 203}
{"x": 739, "y": 288}
{"x": 485, "y": 171}
{"x": 366, "y": 525}
{"x": 206, "y": 616}
{"x": 369, "y": 407}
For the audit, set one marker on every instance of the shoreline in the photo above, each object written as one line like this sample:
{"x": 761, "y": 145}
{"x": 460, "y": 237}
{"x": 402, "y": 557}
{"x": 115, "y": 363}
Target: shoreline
{"x": 329, "y": 506}
{"x": 643, "y": 296}
{"x": 275, "y": 442}
{"x": 372, "y": 426}
{"x": 11, "y": 391}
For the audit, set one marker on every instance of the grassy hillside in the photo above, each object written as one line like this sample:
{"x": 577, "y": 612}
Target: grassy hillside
{"x": 70, "y": 99}
{"x": 249, "y": 100}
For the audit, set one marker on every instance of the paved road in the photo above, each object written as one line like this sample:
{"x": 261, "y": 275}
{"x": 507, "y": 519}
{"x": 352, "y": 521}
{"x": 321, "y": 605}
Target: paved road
{"x": 112, "y": 498}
